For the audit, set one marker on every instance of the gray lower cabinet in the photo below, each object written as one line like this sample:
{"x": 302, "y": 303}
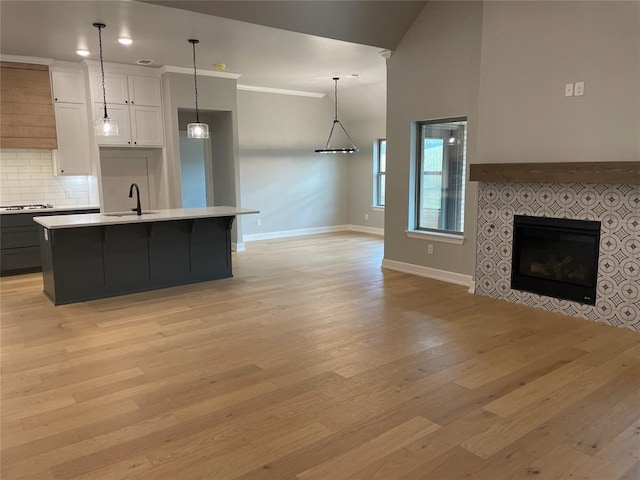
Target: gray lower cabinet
{"x": 20, "y": 242}
{"x": 87, "y": 263}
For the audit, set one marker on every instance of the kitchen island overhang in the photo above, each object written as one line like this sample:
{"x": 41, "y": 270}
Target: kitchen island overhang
{"x": 91, "y": 256}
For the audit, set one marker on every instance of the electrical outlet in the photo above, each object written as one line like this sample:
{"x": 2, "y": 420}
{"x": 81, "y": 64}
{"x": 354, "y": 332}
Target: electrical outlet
{"x": 568, "y": 90}
{"x": 259, "y": 222}
{"x": 578, "y": 91}
{"x": 430, "y": 249}
{"x": 366, "y": 216}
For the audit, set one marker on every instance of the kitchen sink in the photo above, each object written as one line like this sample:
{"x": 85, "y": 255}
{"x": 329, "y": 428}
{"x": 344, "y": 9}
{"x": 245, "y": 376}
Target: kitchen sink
{"x": 127, "y": 214}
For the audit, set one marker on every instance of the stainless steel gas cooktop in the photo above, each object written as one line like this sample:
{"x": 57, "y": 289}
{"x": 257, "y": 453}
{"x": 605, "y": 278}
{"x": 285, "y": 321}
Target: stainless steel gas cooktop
{"x": 33, "y": 206}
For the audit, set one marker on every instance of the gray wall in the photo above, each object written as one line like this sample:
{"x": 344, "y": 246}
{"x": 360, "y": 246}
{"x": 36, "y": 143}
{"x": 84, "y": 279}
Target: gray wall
{"x": 214, "y": 95}
{"x": 434, "y": 73}
{"x": 361, "y": 178}
{"x": 293, "y": 187}
{"x": 504, "y": 65}
{"x": 529, "y": 51}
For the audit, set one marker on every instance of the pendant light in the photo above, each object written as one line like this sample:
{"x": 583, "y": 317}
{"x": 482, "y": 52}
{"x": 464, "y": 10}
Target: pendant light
{"x": 104, "y": 126}
{"x": 197, "y": 129}
{"x": 327, "y": 148}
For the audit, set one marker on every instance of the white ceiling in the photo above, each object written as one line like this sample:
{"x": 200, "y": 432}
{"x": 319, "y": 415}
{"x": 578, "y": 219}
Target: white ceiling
{"x": 264, "y": 56}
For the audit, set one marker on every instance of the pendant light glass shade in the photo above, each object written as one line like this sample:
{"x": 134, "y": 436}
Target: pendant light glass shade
{"x": 328, "y": 148}
{"x": 104, "y": 126}
{"x": 197, "y": 129}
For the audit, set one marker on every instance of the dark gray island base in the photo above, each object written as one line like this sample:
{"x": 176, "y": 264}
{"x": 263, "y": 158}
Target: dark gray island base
{"x": 91, "y": 262}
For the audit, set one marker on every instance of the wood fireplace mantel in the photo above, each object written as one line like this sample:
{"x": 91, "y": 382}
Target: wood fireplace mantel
{"x": 569, "y": 172}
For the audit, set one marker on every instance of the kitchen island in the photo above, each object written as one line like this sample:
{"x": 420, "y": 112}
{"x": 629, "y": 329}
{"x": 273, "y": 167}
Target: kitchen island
{"x": 90, "y": 256}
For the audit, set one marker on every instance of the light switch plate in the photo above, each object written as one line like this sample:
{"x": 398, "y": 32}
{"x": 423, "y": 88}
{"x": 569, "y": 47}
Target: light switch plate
{"x": 568, "y": 90}
{"x": 579, "y": 89}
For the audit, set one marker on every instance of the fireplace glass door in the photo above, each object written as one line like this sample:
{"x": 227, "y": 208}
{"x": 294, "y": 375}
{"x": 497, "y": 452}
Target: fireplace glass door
{"x": 556, "y": 257}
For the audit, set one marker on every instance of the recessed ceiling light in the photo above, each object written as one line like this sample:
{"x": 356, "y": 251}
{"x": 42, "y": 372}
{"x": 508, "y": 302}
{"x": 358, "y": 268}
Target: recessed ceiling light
{"x": 144, "y": 61}
{"x": 82, "y": 52}
{"x": 125, "y": 41}
{"x": 220, "y": 66}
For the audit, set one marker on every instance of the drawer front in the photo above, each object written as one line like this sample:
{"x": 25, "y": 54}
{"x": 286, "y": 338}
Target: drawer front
{"x": 20, "y": 259}
{"x": 19, "y": 237}
{"x": 8, "y": 220}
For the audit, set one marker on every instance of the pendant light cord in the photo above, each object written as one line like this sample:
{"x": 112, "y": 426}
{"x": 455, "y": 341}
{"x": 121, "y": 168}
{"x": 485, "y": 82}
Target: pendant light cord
{"x": 104, "y": 91}
{"x": 195, "y": 79}
{"x": 335, "y": 97}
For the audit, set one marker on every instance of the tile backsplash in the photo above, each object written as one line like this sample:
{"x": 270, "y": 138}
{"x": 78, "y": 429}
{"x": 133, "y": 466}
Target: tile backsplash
{"x": 617, "y": 207}
{"x": 26, "y": 176}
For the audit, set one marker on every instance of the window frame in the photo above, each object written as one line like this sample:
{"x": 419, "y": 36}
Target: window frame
{"x": 419, "y": 177}
{"x": 379, "y": 174}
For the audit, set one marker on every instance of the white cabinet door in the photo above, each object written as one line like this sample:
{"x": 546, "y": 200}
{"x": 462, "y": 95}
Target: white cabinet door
{"x": 115, "y": 85}
{"x": 146, "y": 126}
{"x": 72, "y": 156}
{"x": 68, "y": 86}
{"x": 144, "y": 91}
{"x": 120, "y": 113}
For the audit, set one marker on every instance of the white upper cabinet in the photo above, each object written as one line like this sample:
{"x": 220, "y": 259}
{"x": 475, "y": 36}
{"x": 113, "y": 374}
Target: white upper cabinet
{"x": 119, "y": 113}
{"x": 135, "y": 101}
{"x": 123, "y": 89}
{"x": 144, "y": 91}
{"x": 146, "y": 126}
{"x": 68, "y": 86}
{"x": 73, "y": 156}
{"x": 137, "y": 126}
{"x": 115, "y": 85}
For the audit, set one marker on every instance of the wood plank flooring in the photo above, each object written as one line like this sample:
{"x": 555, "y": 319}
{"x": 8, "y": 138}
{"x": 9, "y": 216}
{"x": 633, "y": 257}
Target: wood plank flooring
{"x": 312, "y": 363}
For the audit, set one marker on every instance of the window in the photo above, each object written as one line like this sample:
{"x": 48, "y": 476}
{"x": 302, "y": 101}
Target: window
{"x": 380, "y": 169}
{"x": 441, "y": 161}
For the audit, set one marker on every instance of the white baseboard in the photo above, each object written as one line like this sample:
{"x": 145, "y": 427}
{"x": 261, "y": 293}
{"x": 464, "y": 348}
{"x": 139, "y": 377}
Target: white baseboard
{"x": 312, "y": 231}
{"x": 472, "y": 286}
{"x": 450, "y": 277}
{"x": 363, "y": 229}
{"x": 294, "y": 233}
{"x": 237, "y": 247}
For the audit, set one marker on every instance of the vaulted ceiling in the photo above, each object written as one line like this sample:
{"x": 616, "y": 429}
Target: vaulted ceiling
{"x": 377, "y": 23}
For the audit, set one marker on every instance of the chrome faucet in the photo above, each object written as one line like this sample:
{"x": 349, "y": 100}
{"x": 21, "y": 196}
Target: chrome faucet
{"x": 138, "y": 209}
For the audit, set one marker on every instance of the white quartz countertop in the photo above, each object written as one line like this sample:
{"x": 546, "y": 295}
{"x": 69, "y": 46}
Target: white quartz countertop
{"x": 119, "y": 218}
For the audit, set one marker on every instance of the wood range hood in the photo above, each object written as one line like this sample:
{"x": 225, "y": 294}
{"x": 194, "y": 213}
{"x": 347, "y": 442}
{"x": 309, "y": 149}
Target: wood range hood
{"x": 27, "y": 117}
{"x": 567, "y": 172}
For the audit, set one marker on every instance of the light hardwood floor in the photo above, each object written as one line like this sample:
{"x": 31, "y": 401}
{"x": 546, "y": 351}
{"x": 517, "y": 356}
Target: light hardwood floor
{"x": 313, "y": 363}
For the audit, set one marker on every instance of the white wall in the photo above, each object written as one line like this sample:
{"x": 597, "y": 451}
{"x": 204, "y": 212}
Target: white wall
{"x": 26, "y": 177}
{"x": 530, "y": 50}
{"x": 293, "y": 187}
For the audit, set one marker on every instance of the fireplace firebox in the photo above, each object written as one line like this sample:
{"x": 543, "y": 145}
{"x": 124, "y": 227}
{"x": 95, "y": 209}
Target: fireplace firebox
{"x": 556, "y": 257}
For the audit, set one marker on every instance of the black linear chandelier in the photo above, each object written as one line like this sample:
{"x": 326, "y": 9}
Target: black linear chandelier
{"x": 327, "y": 148}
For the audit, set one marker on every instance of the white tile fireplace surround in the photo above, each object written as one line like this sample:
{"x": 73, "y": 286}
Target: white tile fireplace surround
{"x": 617, "y": 207}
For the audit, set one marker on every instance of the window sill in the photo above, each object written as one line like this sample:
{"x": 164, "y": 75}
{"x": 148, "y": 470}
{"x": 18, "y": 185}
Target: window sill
{"x": 377, "y": 208}
{"x": 436, "y": 236}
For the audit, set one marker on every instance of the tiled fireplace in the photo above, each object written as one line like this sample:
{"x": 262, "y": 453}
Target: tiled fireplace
{"x": 617, "y": 207}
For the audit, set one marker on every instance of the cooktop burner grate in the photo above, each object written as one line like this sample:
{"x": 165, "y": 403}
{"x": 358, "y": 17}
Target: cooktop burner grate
{"x": 33, "y": 206}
